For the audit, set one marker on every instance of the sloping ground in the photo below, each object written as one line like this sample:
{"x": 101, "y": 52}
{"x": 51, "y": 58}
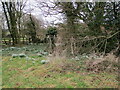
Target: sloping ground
{"x": 59, "y": 73}
{"x": 107, "y": 63}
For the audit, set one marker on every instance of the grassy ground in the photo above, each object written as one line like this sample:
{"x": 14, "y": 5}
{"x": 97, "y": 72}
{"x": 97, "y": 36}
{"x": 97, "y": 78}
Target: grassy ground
{"x": 60, "y": 73}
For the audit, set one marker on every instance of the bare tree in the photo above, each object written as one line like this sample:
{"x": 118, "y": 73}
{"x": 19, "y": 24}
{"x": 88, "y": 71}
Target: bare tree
{"x": 13, "y": 12}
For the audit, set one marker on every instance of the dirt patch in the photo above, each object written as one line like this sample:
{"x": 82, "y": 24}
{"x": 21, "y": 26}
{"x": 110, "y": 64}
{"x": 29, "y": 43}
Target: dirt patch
{"x": 107, "y": 63}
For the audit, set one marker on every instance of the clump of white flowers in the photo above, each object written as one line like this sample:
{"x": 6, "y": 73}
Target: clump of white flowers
{"x": 28, "y": 58}
{"x": 22, "y": 55}
{"x": 0, "y": 50}
{"x": 19, "y": 55}
{"x": 39, "y": 54}
{"x": 15, "y": 55}
{"x": 44, "y": 61}
{"x": 76, "y": 58}
{"x": 44, "y": 53}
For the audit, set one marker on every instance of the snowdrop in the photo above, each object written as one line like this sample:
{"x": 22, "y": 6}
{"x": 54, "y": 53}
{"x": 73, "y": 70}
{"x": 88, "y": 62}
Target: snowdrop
{"x": 33, "y": 62}
{"x": 28, "y": 58}
{"x": 44, "y": 61}
{"x": 15, "y": 55}
{"x": 12, "y": 48}
{"x": 39, "y": 54}
{"x": 22, "y": 55}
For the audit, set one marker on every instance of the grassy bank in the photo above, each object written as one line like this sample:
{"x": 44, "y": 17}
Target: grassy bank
{"x": 59, "y": 73}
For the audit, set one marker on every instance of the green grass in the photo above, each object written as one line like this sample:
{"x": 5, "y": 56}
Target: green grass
{"x": 18, "y": 73}
{"x": 22, "y": 73}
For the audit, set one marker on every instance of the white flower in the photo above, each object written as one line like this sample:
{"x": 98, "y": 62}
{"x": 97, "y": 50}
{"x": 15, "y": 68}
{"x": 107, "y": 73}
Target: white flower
{"x": 22, "y": 55}
{"x": 44, "y": 61}
{"x": 15, "y": 55}
{"x": 33, "y": 61}
{"x": 27, "y": 58}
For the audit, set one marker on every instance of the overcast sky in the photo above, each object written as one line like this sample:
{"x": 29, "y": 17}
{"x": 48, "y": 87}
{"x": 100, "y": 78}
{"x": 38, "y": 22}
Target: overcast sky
{"x": 31, "y": 7}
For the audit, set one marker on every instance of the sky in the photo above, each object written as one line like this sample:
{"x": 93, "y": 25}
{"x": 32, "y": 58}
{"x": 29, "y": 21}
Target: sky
{"x": 31, "y": 7}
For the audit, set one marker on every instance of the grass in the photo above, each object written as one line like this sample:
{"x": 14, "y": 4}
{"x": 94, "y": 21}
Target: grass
{"x": 60, "y": 73}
